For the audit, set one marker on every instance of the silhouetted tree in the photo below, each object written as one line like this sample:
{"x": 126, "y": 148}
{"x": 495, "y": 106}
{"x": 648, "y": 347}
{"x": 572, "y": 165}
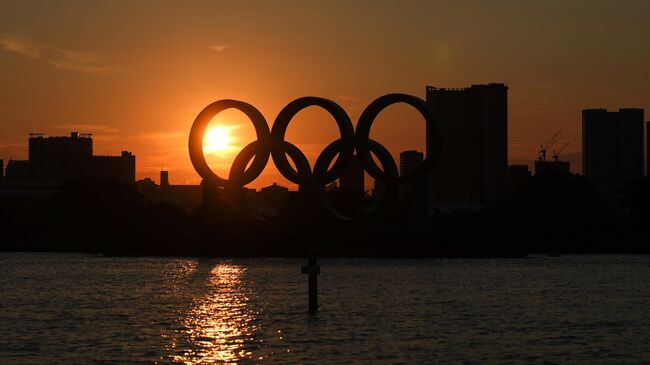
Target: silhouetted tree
{"x": 634, "y": 199}
{"x": 100, "y": 206}
{"x": 564, "y": 211}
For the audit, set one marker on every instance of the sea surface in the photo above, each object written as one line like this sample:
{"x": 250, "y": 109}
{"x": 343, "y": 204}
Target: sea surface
{"x": 86, "y": 309}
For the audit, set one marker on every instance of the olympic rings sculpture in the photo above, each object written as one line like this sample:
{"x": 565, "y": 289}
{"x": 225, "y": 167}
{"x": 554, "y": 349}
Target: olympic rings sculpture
{"x": 272, "y": 143}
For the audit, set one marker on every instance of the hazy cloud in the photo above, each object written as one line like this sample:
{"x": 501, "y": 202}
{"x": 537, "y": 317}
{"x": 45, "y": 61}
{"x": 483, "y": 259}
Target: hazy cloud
{"x": 162, "y": 136}
{"x": 63, "y": 59}
{"x": 220, "y": 48}
{"x": 94, "y": 128}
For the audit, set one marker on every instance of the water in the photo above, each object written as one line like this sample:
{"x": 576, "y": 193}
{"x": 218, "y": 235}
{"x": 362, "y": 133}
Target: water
{"x": 69, "y": 308}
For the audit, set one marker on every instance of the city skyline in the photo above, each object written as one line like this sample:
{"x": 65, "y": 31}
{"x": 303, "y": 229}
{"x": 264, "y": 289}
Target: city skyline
{"x": 307, "y": 182}
{"x": 142, "y": 92}
{"x": 215, "y": 148}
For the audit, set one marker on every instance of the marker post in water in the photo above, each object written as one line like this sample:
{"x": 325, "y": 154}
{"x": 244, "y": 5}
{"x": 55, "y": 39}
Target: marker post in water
{"x": 312, "y": 269}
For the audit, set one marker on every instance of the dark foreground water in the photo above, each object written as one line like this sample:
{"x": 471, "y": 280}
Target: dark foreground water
{"x": 57, "y": 308}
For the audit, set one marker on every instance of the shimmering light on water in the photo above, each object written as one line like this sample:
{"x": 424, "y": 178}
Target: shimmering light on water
{"x": 62, "y": 308}
{"x": 219, "y": 322}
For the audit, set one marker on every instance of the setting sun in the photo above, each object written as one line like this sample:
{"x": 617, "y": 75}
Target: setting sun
{"x": 217, "y": 139}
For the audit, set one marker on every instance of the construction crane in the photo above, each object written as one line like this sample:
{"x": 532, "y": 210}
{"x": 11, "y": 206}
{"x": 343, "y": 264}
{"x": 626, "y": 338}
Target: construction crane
{"x": 543, "y": 148}
{"x": 556, "y": 154}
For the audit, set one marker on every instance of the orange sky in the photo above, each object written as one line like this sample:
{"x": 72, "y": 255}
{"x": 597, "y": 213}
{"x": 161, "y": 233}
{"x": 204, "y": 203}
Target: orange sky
{"x": 136, "y": 73}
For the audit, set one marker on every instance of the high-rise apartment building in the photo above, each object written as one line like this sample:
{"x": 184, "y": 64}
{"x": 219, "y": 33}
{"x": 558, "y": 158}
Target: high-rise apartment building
{"x": 474, "y": 162}
{"x": 612, "y": 145}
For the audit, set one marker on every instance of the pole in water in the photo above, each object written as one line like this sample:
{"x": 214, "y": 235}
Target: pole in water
{"x": 312, "y": 269}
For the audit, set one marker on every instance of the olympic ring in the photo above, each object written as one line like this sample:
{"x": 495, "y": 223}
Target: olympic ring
{"x": 272, "y": 143}
{"x": 363, "y": 137}
{"x": 201, "y": 124}
{"x": 345, "y": 127}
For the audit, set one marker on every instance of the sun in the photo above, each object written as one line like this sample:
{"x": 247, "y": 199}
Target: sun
{"x": 217, "y": 140}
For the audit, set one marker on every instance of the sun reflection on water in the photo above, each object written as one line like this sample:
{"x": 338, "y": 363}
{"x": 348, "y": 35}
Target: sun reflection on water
{"x": 220, "y": 323}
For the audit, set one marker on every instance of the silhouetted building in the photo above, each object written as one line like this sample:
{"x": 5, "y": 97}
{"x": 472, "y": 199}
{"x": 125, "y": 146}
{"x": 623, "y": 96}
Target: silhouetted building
{"x": 612, "y": 147}
{"x": 273, "y": 195}
{"x": 164, "y": 178}
{"x": 186, "y": 197}
{"x": 120, "y": 168}
{"x": 517, "y": 175}
{"x": 415, "y": 193}
{"x": 211, "y": 194}
{"x": 2, "y": 170}
{"x": 474, "y": 127}
{"x": 552, "y": 167}
{"x": 147, "y": 187}
{"x": 58, "y": 159}
{"x": 61, "y": 159}
{"x": 647, "y": 148}
{"x": 352, "y": 179}
{"x": 408, "y": 162}
{"x": 18, "y": 171}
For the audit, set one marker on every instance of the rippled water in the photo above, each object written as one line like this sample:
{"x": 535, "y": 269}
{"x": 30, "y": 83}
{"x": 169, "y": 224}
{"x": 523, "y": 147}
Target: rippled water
{"x": 65, "y": 308}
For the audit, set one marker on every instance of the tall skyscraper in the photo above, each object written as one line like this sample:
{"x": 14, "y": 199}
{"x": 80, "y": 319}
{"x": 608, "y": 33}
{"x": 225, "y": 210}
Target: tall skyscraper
{"x": 474, "y": 126}
{"x": 612, "y": 145}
